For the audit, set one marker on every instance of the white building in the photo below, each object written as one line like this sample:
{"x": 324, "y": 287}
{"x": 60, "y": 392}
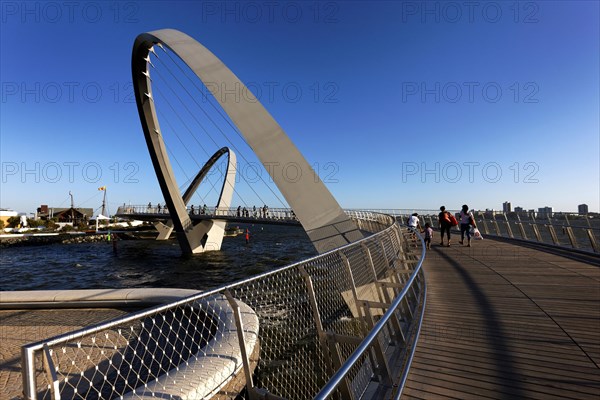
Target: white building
{"x": 5, "y": 214}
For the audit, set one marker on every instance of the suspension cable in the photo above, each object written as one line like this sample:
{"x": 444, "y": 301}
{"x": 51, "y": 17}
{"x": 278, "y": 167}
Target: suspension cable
{"x": 191, "y": 132}
{"x": 212, "y": 120}
{"x": 172, "y": 128}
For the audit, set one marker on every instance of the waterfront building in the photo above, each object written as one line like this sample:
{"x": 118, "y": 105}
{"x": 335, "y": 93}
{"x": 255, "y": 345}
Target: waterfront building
{"x": 582, "y": 209}
{"x": 521, "y": 212}
{"x": 545, "y": 212}
{"x": 506, "y": 207}
{"x": 62, "y": 214}
{"x": 6, "y": 213}
{"x": 490, "y": 213}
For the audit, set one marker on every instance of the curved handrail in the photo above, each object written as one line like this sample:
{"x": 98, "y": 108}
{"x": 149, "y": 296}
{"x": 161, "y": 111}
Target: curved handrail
{"x": 571, "y": 236}
{"x": 326, "y": 269}
{"x": 337, "y": 378}
{"x": 411, "y": 355}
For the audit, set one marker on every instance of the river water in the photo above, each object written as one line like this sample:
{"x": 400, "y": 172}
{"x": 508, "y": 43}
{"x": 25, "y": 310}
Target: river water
{"x": 150, "y": 263}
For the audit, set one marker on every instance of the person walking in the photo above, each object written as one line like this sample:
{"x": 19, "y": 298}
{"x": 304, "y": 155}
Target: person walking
{"x": 413, "y": 224}
{"x": 428, "y": 235}
{"x": 466, "y": 221}
{"x": 413, "y": 221}
{"x": 445, "y": 225}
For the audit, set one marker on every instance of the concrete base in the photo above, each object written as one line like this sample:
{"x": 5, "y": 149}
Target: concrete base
{"x": 89, "y": 298}
{"x": 164, "y": 230}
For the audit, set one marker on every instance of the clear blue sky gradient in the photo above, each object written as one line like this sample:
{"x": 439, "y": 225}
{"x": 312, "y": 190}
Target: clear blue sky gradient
{"x": 398, "y": 104}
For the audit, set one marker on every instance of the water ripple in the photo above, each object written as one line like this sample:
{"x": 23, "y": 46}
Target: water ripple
{"x": 149, "y": 263}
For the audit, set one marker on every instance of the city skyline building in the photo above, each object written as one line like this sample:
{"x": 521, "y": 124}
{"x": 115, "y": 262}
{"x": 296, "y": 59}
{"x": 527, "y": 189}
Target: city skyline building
{"x": 545, "y": 212}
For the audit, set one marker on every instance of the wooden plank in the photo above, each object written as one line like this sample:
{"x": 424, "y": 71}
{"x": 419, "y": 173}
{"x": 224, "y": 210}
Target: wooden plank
{"x": 507, "y": 321}
{"x": 579, "y": 365}
{"x": 542, "y": 374}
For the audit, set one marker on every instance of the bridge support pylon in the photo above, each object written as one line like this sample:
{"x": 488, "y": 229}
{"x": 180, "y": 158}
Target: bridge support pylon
{"x": 205, "y": 236}
{"x": 164, "y": 229}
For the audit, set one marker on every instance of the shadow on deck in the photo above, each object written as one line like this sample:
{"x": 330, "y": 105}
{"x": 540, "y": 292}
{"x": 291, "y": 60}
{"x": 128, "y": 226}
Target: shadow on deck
{"x": 505, "y": 321}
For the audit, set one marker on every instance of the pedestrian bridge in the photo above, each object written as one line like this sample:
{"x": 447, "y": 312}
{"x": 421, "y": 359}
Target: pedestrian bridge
{"x": 275, "y": 216}
{"x": 373, "y": 316}
{"x": 376, "y": 319}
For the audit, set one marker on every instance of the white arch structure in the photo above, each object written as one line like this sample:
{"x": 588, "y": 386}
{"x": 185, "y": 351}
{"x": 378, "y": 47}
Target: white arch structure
{"x": 213, "y": 229}
{"x": 323, "y": 219}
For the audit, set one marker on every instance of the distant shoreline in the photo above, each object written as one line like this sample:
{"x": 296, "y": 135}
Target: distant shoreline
{"x": 36, "y": 239}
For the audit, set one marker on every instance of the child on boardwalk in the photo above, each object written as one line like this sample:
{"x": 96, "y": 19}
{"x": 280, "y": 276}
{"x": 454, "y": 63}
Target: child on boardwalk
{"x": 428, "y": 235}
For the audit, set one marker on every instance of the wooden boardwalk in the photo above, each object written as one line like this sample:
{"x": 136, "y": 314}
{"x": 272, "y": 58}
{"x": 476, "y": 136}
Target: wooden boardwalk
{"x": 507, "y": 322}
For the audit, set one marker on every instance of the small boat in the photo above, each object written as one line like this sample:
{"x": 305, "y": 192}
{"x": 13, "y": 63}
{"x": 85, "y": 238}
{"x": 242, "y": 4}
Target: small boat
{"x": 233, "y": 231}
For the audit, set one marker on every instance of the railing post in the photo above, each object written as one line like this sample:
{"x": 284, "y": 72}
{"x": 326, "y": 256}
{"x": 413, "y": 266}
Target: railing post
{"x": 508, "y": 228}
{"x": 592, "y": 238}
{"x": 383, "y": 252}
{"x": 484, "y": 222}
{"x": 383, "y": 367}
{"x": 536, "y": 232}
{"x": 365, "y": 314}
{"x": 399, "y": 253}
{"x": 496, "y": 225}
{"x": 521, "y": 228}
{"x": 242, "y": 341}
{"x": 334, "y": 350}
{"x": 553, "y": 234}
{"x": 352, "y": 284}
{"x": 323, "y": 339}
{"x": 28, "y": 373}
{"x": 572, "y": 237}
{"x": 382, "y": 292}
{"x": 367, "y": 252}
{"x": 50, "y": 373}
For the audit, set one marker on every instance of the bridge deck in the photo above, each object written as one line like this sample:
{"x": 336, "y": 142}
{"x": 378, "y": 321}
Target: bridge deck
{"x": 504, "y": 321}
{"x": 203, "y": 217}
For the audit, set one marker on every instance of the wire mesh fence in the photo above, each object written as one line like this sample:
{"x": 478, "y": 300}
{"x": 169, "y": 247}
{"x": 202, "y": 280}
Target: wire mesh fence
{"x": 283, "y": 334}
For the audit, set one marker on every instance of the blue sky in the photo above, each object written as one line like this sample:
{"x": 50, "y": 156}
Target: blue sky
{"x": 397, "y": 104}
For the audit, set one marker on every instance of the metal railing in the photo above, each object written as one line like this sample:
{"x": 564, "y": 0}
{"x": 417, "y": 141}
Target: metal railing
{"x": 258, "y": 213}
{"x": 343, "y": 324}
{"x": 560, "y": 231}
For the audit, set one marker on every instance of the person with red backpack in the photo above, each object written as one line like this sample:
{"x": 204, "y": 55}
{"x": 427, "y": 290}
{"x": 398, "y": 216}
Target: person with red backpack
{"x": 446, "y": 221}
